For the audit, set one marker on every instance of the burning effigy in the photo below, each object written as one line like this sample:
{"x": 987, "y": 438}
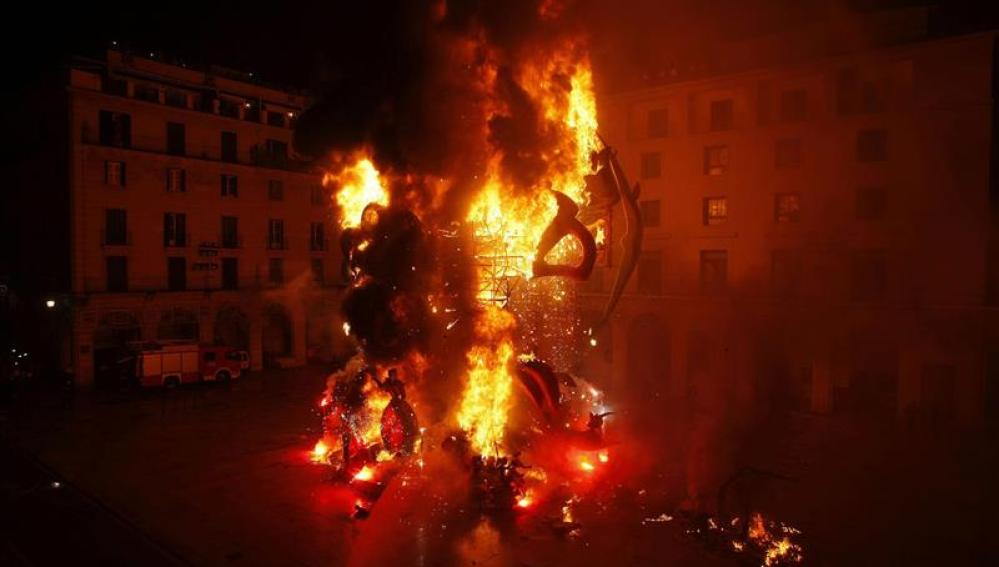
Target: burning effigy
{"x": 466, "y": 287}
{"x": 461, "y": 275}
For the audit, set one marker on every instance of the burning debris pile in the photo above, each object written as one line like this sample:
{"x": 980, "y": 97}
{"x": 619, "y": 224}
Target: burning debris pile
{"x": 461, "y": 273}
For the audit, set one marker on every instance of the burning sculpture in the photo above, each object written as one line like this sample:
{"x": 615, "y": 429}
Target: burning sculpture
{"x": 461, "y": 287}
{"x": 532, "y": 225}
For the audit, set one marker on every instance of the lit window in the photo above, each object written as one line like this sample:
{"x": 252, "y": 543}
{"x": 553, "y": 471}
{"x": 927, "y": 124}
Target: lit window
{"x": 787, "y": 207}
{"x": 715, "y": 210}
{"x": 715, "y": 160}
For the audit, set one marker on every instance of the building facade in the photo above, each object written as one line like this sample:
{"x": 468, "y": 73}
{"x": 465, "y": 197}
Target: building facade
{"x": 818, "y": 236}
{"x": 191, "y": 219}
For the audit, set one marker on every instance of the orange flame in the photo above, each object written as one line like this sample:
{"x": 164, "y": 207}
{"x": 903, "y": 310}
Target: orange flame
{"x": 360, "y": 184}
{"x": 486, "y": 400}
{"x": 365, "y": 474}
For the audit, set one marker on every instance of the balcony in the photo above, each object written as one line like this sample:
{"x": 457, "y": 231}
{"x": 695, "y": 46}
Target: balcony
{"x": 277, "y": 244}
{"x": 211, "y": 152}
{"x": 230, "y": 241}
{"x": 178, "y": 241}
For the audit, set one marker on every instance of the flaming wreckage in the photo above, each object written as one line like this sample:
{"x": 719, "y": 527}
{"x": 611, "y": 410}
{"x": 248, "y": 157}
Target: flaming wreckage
{"x": 462, "y": 297}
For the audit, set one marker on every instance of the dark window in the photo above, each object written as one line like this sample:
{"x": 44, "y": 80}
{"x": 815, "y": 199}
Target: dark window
{"x": 251, "y": 112}
{"x": 117, "y": 273}
{"x": 650, "y": 213}
{"x": 871, "y": 203}
{"x": 230, "y": 232}
{"x": 117, "y": 87}
{"x": 230, "y": 186}
{"x": 793, "y": 105}
{"x": 176, "y": 139}
{"x": 317, "y": 271}
{"x": 872, "y": 145}
{"x": 176, "y": 98}
{"x": 115, "y": 227}
{"x": 229, "y": 147}
{"x": 230, "y": 273}
{"x": 275, "y": 190}
{"x": 651, "y": 165}
{"x": 228, "y": 107}
{"x": 209, "y": 357}
{"x": 114, "y": 173}
{"x": 785, "y": 273}
{"x": 650, "y": 273}
{"x": 176, "y": 181}
{"x": 147, "y": 93}
{"x": 275, "y": 118}
{"x": 787, "y": 207}
{"x": 115, "y": 129}
{"x": 174, "y": 229}
{"x": 715, "y": 211}
{"x": 869, "y": 275}
{"x": 787, "y": 153}
{"x": 275, "y": 234}
{"x": 715, "y": 160}
{"x": 722, "y": 115}
{"x": 275, "y": 153}
{"x": 714, "y": 270}
{"x": 275, "y": 271}
{"x": 658, "y": 125}
{"x": 317, "y": 236}
{"x": 176, "y": 273}
{"x": 317, "y": 195}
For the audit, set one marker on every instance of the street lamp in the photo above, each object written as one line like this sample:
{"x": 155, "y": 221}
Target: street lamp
{"x": 50, "y": 303}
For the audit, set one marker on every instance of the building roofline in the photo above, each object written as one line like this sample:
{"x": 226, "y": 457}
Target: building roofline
{"x": 652, "y": 91}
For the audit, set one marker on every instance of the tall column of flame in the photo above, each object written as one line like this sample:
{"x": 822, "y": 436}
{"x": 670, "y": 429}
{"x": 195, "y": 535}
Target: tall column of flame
{"x": 508, "y": 225}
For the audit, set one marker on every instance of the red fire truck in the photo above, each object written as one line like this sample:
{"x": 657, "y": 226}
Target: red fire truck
{"x": 171, "y": 365}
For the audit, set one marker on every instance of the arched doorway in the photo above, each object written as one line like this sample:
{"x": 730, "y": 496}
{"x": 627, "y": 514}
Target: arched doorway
{"x": 277, "y": 334}
{"x": 177, "y": 324}
{"x": 113, "y": 362}
{"x": 649, "y": 361}
{"x": 232, "y": 328}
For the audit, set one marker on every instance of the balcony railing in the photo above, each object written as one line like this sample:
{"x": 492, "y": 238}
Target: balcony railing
{"x": 116, "y": 239}
{"x": 319, "y": 244}
{"x": 182, "y": 242}
{"x": 275, "y": 244}
{"x": 213, "y": 152}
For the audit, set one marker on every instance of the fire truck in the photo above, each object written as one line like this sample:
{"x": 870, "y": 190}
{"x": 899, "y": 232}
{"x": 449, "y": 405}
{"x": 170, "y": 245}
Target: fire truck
{"x": 171, "y": 365}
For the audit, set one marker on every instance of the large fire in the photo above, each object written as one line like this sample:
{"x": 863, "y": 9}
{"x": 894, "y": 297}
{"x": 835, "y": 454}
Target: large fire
{"x": 359, "y": 184}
